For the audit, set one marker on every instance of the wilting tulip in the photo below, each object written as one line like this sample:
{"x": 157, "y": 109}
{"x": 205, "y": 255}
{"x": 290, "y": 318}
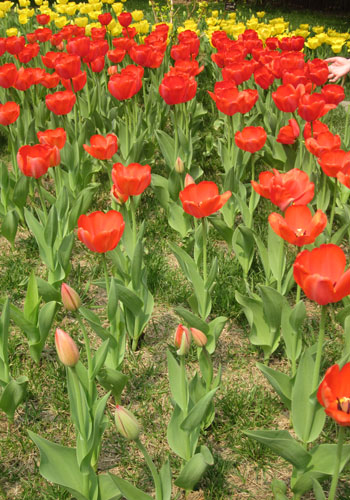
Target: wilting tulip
{"x": 298, "y": 226}
{"x": 101, "y": 232}
{"x": 203, "y": 199}
{"x": 334, "y": 395}
{"x": 321, "y": 274}
{"x": 9, "y": 112}
{"x": 61, "y": 103}
{"x": 70, "y": 298}
{"x": 102, "y": 148}
{"x": 53, "y": 137}
{"x": 66, "y": 348}
{"x": 293, "y": 187}
{"x": 126, "y": 423}
{"x": 131, "y": 180}
{"x": 289, "y": 133}
{"x": 182, "y": 340}
{"x": 34, "y": 161}
{"x": 251, "y": 139}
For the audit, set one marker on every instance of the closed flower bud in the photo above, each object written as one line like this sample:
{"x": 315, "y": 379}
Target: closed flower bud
{"x": 199, "y": 338}
{"x": 188, "y": 180}
{"x": 66, "y": 348}
{"x": 182, "y": 340}
{"x": 126, "y": 423}
{"x": 179, "y": 165}
{"x": 70, "y": 298}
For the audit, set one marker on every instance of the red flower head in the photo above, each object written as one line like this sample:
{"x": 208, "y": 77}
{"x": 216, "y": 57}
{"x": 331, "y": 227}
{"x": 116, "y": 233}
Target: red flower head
{"x": 98, "y": 64}
{"x": 34, "y": 161}
{"x": 298, "y": 226}
{"x": 61, "y": 103}
{"x": 320, "y": 273}
{"x": 180, "y": 51}
{"x": 8, "y": 75}
{"x": 125, "y": 19}
{"x": 334, "y": 394}
{"x": 289, "y": 133}
{"x": 239, "y": 72}
{"x": 332, "y": 162}
{"x": 67, "y": 66}
{"x": 102, "y": 148}
{"x": 53, "y": 137}
{"x": 183, "y": 338}
{"x": 78, "y": 81}
{"x": 9, "y": 112}
{"x": 230, "y": 100}
{"x": 344, "y": 175}
{"x": 317, "y": 71}
{"x": 79, "y": 46}
{"x": 291, "y": 61}
{"x": 145, "y": 56}
{"x": 43, "y": 34}
{"x": 49, "y": 81}
{"x": 272, "y": 43}
{"x": 251, "y": 139}
{"x": 105, "y": 19}
{"x": 26, "y": 77}
{"x": 116, "y": 55}
{"x": 334, "y": 94}
{"x": 324, "y": 142}
{"x": 43, "y": 19}
{"x": 317, "y": 128}
{"x": 49, "y": 59}
{"x": 263, "y": 77}
{"x": 313, "y": 106}
{"x": 293, "y": 187}
{"x": 131, "y": 180}
{"x": 126, "y": 84}
{"x": 98, "y": 34}
{"x": 203, "y": 199}
{"x": 192, "y": 68}
{"x": 286, "y": 98}
{"x": 14, "y": 44}
{"x": 101, "y": 232}
{"x": 123, "y": 42}
{"x": 177, "y": 89}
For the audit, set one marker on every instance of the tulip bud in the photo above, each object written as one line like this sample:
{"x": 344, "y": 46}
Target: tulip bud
{"x": 182, "y": 340}
{"x": 188, "y": 180}
{"x": 70, "y": 298}
{"x": 199, "y": 338}
{"x": 126, "y": 423}
{"x": 66, "y": 348}
{"x": 120, "y": 198}
{"x": 179, "y": 165}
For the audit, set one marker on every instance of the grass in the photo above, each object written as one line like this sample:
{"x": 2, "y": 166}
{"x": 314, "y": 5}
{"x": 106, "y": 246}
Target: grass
{"x": 243, "y": 469}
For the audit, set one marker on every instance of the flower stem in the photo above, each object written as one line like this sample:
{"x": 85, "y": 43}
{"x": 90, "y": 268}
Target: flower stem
{"x": 204, "y": 242}
{"x": 88, "y": 355}
{"x": 133, "y": 220}
{"x": 334, "y": 483}
{"x": 152, "y": 468}
{"x": 335, "y": 188}
{"x": 176, "y": 132}
{"x": 316, "y": 374}
{"x": 42, "y": 201}
{"x": 280, "y": 263}
{"x": 104, "y": 263}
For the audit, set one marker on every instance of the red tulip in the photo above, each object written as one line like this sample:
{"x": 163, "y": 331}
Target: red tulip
{"x": 229, "y": 100}
{"x": 61, "y": 103}
{"x": 43, "y": 19}
{"x": 334, "y": 394}
{"x": 118, "y": 197}
{"x": 101, "y": 232}
{"x": 295, "y": 78}
{"x": 263, "y": 77}
{"x": 66, "y": 348}
{"x": 9, "y": 112}
{"x": 313, "y": 106}
{"x": 343, "y": 175}
{"x": 203, "y": 199}
{"x": 43, "y": 34}
{"x": 124, "y": 19}
{"x": 102, "y": 148}
{"x": 53, "y": 137}
{"x": 293, "y": 187}
{"x": 192, "y": 68}
{"x": 49, "y": 81}
{"x": 79, "y": 46}
{"x": 289, "y": 133}
{"x": 324, "y": 142}
{"x": 332, "y": 162}
{"x": 70, "y": 299}
{"x": 317, "y": 71}
{"x": 98, "y": 64}
{"x": 239, "y": 72}
{"x": 315, "y": 128}
{"x": 127, "y": 83}
{"x": 298, "y": 226}
{"x": 286, "y": 98}
{"x": 291, "y": 61}
{"x": 34, "y": 161}
{"x": 14, "y": 44}
{"x": 8, "y": 75}
{"x": 67, "y": 66}
{"x": 98, "y": 34}
{"x": 177, "y": 89}
{"x": 182, "y": 340}
{"x": 251, "y": 139}
{"x": 131, "y": 180}
{"x": 124, "y": 43}
{"x": 50, "y": 58}
{"x": 78, "y": 81}
{"x": 25, "y": 78}
{"x": 272, "y": 43}
{"x": 105, "y": 19}
{"x": 321, "y": 274}
{"x": 146, "y": 56}
{"x": 116, "y": 55}
{"x": 181, "y": 51}
{"x": 334, "y": 94}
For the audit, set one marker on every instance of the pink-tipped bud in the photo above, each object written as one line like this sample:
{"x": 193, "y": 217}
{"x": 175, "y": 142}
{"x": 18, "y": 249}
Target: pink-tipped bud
{"x": 126, "y": 423}
{"x": 182, "y": 340}
{"x": 179, "y": 165}
{"x": 188, "y": 180}
{"x": 66, "y": 348}
{"x": 70, "y": 298}
{"x": 120, "y": 198}
{"x": 199, "y": 338}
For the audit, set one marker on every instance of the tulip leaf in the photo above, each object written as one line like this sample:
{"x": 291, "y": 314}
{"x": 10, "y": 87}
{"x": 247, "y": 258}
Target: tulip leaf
{"x": 280, "y": 382}
{"x": 51, "y": 227}
{"x": 192, "y": 471}
{"x": 13, "y": 395}
{"x": 160, "y": 188}
{"x": 215, "y": 328}
{"x": 167, "y": 147}
{"x": 165, "y": 477}
{"x": 9, "y": 226}
{"x": 4, "y": 327}
{"x": 99, "y": 358}
{"x": 107, "y": 487}
{"x": 94, "y": 322}
{"x": 129, "y": 491}
{"x": 318, "y": 491}
{"x": 47, "y": 292}
{"x": 30, "y": 330}
{"x": 178, "y": 219}
{"x": 177, "y": 438}
{"x": 32, "y": 300}
{"x": 192, "y": 320}
{"x": 291, "y": 324}
{"x": 20, "y": 192}
{"x": 176, "y": 381}
{"x": 276, "y": 255}
{"x": 58, "y": 464}
{"x": 273, "y": 303}
{"x": 282, "y": 443}
{"x": 112, "y": 380}
{"x": 197, "y": 413}
{"x": 244, "y": 247}
{"x": 129, "y": 298}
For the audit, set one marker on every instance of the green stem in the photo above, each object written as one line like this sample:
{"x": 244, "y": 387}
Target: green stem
{"x": 105, "y": 270}
{"x": 176, "y": 132}
{"x": 297, "y": 300}
{"x": 204, "y": 242}
{"x": 316, "y": 374}
{"x": 42, "y": 201}
{"x": 13, "y": 153}
{"x": 335, "y": 187}
{"x": 152, "y": 468}
{"x": 88, "y": 356}
{"x": 184, "y": 385}
{"x": 133, "y": 220}
{"x": 334, "y": 483}
{"x": 281, "y": 260}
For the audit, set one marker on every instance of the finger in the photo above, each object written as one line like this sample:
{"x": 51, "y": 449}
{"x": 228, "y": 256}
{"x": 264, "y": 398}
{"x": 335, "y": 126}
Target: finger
{"x": 331, "y": 59}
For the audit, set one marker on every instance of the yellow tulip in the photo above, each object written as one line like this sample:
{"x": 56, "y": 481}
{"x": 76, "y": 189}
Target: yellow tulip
{"x": 215, "y": 13}
{"x": 61, "y": 21}
{"x": 81, "y": 21}
{"x": 23, "y": 3}
{"x": 304, "y": 26}
{"x": 38, "y": 2}
{"x": 260, "y": 14}
{"x": 144, "y": 27}
{"x": 94, "y": 15}
{"x": 322, "y": 37}
{"x": 117, "y": 30}
{"x": 312, "y": 43}
{"x": 337, "y": 48}
{"x": 318, "y": 29}
{"x": 117, "y": 8}
{"x": 137, "y": 15}
{"x": 11, "y": 32}
{"x": 22, "y": 19}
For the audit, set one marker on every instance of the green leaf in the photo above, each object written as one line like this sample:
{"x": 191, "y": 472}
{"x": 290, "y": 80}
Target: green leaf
{"x": 197, "y": 413}
{"x": 243, "y": 243}
{"x": 129, "y": 298}
{"x": 192, "y": 472}
{"x": 112, "y": 380}
{"x": 318, "y": 491}
{"x": 99, "y": 358}
{"x": 291, "y": 324}
{"x": 129, "y": 491}
{"x": 177, "y": 438}
{"x": 160, "y": 187}
{"x": 175, "y": 381}
{"x": 277, "y": 259}
{"x": 167, "y": 147}
{"x": 192, "y": 320}
{"x": 107, "y": 487}
{"x": 94, "y": 322}
{"x": 32, "y": 300}
{"x": 282, "y": 443}
{"x": 51, "y": 227}
{"x": 165, "y": 477}
{"x": 47, "y": 292}
{"x": 4, "y": 327}
{"x": 280, "y": 382}
{"x": 9, "y": 226}
{"x": 13, "y": 395}
{"x": 58, "y": 464}
{"x": 178, "y": 219}
{"x": 136, "y": 265}
{"x": 46, "y": 317}
{"x": 272, "y": 302}
{"x": 215, "y": 328}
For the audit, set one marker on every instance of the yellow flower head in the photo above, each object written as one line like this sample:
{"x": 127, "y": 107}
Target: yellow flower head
{"x": 118, "y": 8}
{"x": 304, "y": 26}
{"x": 12, "y": 32}
{"x": 116, "y": 30}
{"x": 62, "y": 2}
{"x": 318, "y": 29}
{"x": 137, "y": 15}
{"x": 38, "y": 2}
{"x": 81, "y": 21}
{"x": 215, "y": 13}
{"x": 22, "y": 19}
{"x": 94, "y": 15}
{"x": 61, "y": 21}
{"x": 312, "y": 43}
{"x": 260, "y": 14}
{"x": 337, "y": 48}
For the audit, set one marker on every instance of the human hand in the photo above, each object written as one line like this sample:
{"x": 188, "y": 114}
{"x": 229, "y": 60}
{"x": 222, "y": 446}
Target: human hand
{"x": 339, "y": 67}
